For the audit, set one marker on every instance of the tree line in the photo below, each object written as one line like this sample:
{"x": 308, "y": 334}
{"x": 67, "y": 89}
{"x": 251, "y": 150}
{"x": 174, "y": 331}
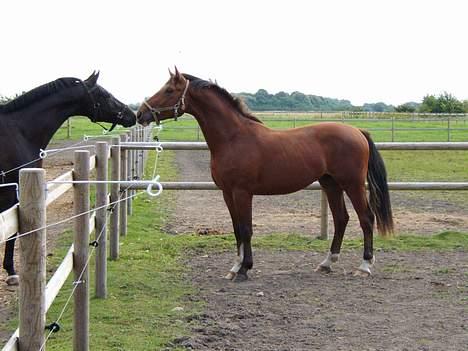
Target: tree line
{"x": 297, "y": 101}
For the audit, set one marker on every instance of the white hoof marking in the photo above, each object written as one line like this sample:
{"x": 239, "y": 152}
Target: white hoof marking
{"x": 331, "y": 258}
{"x": 237, "y": 266}
{"x": 230, "y": 276}
{"x": 365, "y": 267}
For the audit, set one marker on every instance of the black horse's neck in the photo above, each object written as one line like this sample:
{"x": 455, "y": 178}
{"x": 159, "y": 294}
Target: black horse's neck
{"x": 38, "y": 120}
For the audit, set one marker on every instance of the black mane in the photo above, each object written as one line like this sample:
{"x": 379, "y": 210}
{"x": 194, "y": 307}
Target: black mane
{"x": 235, "y": 102}
{"x": 38, "y": 93}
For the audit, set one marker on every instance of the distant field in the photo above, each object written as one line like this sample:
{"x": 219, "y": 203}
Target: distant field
{"x": 384, "y": 128}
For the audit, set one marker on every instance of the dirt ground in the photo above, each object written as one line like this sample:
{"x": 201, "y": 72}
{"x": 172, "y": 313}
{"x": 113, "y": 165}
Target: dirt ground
{"x": 413, "y": 301}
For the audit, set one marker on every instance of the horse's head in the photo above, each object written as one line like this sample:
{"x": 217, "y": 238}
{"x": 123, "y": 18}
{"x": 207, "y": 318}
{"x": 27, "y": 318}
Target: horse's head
{"x": 168, "y": 102}
{"x": 103, "y": 107}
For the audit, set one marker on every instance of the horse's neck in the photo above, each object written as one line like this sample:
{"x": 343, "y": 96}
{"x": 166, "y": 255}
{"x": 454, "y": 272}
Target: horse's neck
{"x": 39, "y": 122}
{"x": 218, "y": 121}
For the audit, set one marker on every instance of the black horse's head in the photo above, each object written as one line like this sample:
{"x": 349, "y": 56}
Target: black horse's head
{"x": 103, "y": 107}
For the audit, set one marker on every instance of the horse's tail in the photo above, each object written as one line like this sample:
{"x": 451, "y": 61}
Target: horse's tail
{"x": 379, "y": 198}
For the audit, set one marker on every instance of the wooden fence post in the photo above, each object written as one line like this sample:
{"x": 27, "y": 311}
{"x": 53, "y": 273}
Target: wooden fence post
{"x": 81, "y": 253}
{"x": 123, "y": 194}
{"x": 323, "y": 216}
{"x": 114, "y": 218}
{"x": 130, "y": 174}
{"x": 68, "y": 128}
{"x": 32, "y": 251}
{"x": 102, "y": 152}
{"x": 140, "y": 154}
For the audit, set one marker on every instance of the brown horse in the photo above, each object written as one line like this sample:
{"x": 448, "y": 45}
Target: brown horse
{"x": 248, "y": 158}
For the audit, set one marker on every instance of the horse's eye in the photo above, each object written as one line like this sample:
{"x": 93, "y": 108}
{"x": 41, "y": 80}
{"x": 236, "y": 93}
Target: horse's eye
{"x": 169, "y": 91}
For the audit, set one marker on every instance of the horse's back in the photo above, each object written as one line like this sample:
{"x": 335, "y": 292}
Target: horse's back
{"x": 307, "y": 153}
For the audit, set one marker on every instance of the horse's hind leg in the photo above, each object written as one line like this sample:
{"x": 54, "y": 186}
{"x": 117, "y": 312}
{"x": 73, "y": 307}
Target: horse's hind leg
{"x": 340, "y": 220}
{"x": 357, "y": 195}
{"x": 8, "y": 263}
{"x": 242, "y": 204}
{"x": 240, "y": 254}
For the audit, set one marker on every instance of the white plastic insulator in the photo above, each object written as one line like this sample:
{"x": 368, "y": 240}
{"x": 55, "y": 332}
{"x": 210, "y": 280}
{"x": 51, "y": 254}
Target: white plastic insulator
{"x": 42, "y": 153}
{"x": 156, "y": 182}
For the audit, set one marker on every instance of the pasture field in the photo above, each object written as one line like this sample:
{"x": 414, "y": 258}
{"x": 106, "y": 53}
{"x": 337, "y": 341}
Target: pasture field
{"x": 412, "y": 129}
{"x": 405, "y": 129}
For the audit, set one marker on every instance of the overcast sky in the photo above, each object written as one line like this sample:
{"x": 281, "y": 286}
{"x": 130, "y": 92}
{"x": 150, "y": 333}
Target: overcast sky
{"x": 364, "y": 50}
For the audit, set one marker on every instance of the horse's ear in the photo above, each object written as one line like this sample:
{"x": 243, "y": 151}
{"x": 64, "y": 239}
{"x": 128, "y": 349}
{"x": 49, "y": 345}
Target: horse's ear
{"x": 92, "y": 79}
{"x": 177, "y": 75}
{"x": 170, "y": 73}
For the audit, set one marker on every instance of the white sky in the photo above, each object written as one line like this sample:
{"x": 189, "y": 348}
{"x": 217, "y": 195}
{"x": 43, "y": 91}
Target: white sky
{"x": 363, "y": 50}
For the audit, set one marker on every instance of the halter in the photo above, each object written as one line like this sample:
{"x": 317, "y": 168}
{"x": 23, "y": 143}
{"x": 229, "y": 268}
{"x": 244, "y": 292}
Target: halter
{"x": 180, "y": 104}
{"x": 97, "y": 110}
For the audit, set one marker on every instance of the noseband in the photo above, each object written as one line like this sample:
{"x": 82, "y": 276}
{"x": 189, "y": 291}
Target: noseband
{"x": 97, "y": 109}
{"x": 180, "y": 104}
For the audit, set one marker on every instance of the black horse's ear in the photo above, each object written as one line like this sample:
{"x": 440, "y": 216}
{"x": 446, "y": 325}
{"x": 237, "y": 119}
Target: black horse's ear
{"x": 92, "y": 79}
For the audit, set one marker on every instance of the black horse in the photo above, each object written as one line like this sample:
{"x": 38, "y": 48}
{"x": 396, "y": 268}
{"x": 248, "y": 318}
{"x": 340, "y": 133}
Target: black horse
{"x": 28, "y": 123}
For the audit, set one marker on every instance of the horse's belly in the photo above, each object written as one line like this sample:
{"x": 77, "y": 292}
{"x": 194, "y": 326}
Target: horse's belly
{"x": 279, "y": 187}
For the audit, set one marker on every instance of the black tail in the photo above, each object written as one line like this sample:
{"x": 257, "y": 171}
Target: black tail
{"x": 379, "y": 199}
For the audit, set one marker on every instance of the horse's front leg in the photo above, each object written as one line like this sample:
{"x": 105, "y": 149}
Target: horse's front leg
{"x": 8, "y": 263}
{"x": 240, "y": 207}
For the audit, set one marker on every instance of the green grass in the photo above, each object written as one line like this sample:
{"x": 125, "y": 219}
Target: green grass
{"x": 81, "y": 126}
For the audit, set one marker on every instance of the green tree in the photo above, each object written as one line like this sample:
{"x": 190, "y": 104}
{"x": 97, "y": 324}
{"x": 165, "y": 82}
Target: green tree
{"x": 408, "y": 107}
{"x": 465, "y": 106}
{"x": 4, "y": 99}
{"x": 444, "y": 103}
{"x": 430, "y": 104}
{"x": 449, "y": 104}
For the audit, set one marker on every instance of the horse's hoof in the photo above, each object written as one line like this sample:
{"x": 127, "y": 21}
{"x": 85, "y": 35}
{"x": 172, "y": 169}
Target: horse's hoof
{"x": 240, "y": 277}
{"x": 12, "y": 280}
{"x": 362, "y": 274}
{"x": 323, "y": 269}
{"x": 230, "y": 276}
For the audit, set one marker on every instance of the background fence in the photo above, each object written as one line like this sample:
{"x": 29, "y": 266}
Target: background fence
{"x": 389, "y": 126}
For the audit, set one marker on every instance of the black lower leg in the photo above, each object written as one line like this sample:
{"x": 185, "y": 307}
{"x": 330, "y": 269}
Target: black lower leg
{"x": 368, "y": 238}
{"x": 8, "y": 263}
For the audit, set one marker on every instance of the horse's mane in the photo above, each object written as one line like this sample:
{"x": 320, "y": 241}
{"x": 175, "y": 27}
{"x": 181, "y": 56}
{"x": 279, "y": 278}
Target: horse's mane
{"x": 235, "y": 102}
{"x": 38, "y": 93}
